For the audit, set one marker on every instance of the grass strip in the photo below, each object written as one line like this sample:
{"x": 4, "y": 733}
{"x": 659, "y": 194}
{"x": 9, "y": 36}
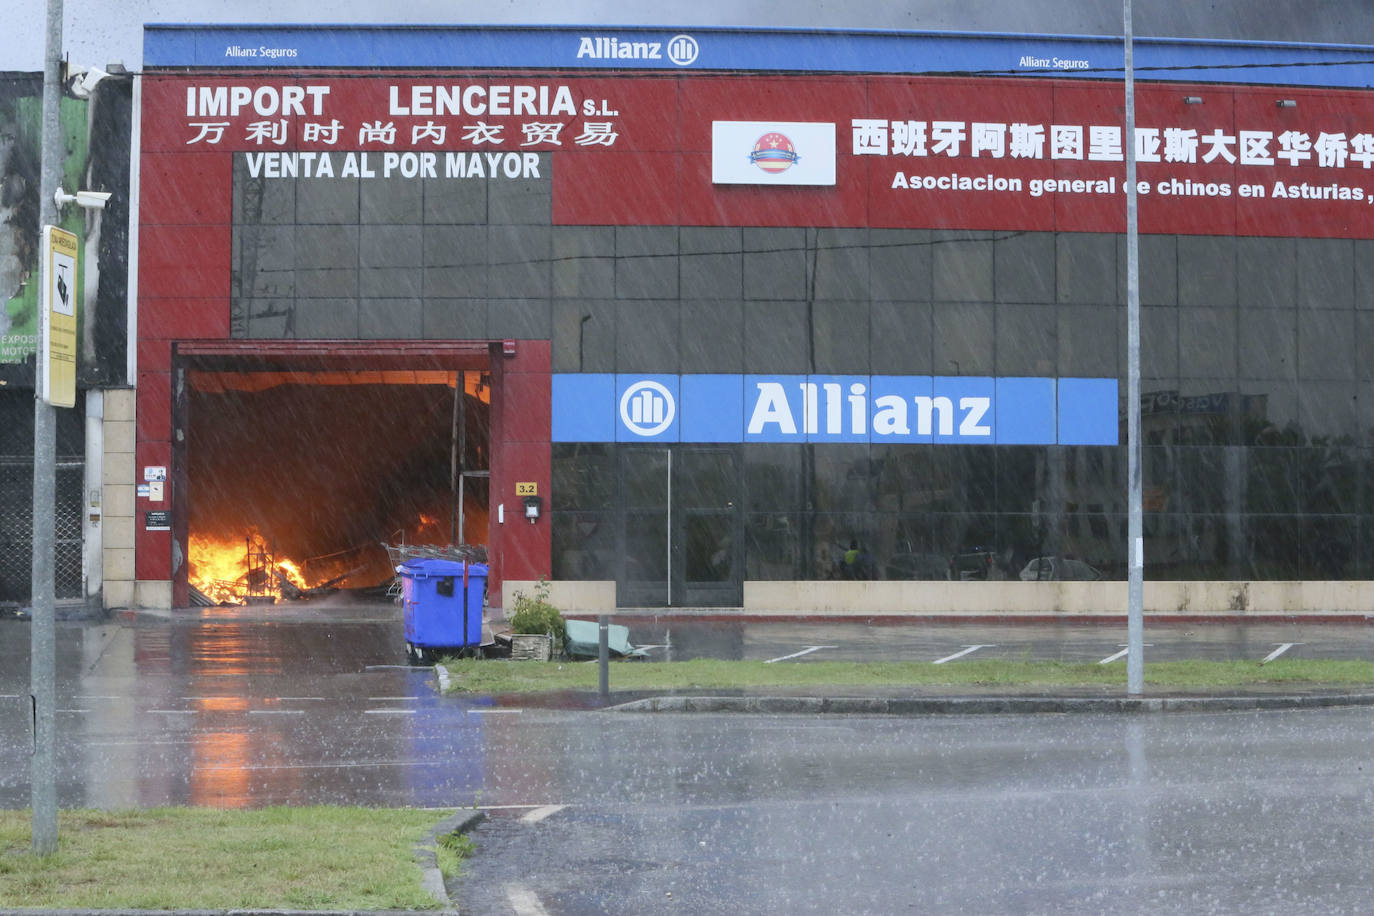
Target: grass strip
{"x": 499, "y": 676}
{"x": 312, "y": 858}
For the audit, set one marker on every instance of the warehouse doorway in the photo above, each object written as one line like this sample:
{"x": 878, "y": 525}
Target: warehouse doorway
{"x": 301, "y": 473}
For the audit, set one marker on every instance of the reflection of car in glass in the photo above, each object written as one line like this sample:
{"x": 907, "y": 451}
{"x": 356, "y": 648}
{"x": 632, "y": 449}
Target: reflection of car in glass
{"x": 922, "y": 566}
{"x": 972, "y": 563}
{"x": 1059, "y": 569}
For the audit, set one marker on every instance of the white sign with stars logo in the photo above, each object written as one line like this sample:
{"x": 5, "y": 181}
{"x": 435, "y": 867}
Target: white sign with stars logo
{"x": 773, "y": 152}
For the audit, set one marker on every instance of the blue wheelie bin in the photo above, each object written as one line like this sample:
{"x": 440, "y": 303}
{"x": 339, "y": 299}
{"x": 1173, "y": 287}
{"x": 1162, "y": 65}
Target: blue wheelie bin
{"x": 443, "y": 606}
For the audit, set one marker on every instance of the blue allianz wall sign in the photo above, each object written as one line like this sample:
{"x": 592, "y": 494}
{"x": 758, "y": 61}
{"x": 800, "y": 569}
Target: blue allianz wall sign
{"x": 604, "y": 407}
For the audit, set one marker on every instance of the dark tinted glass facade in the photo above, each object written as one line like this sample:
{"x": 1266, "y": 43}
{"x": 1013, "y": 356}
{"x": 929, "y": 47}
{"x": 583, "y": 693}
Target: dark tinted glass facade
{"x": 1252, "y": 360}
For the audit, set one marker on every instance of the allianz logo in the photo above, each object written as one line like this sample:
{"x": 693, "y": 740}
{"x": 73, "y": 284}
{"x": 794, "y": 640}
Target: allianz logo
{"x": 680, "y": 49}
{"x": 648, "y": 408}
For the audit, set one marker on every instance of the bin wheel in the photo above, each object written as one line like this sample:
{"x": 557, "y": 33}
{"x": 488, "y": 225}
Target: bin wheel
{"x": 411, "y": 654}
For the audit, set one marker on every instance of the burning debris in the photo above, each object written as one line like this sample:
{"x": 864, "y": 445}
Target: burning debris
{"x": 246, "y": 570}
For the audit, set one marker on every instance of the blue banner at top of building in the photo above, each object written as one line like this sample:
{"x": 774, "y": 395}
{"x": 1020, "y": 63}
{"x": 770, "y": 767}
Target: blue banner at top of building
{"x": 954, "y": 410}
{"x": 759, "y": 50}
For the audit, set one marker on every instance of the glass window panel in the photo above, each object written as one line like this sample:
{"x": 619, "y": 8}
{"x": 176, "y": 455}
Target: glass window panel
{"x": 707, "y": 478}
{"x": 773, "y": 546}
{"x": 583, "y": 476}
{"x": 844, "y": 545}
{"x": 709, "y": 554}
{"x": 1271, "y": 481}
{"x": 644, "y": 476}
{"x": 583, "y": 546}
{"x": 842, "y": 478}
{"x": 1314, "y": 547}
{"x": 773, "y": 475}
{"x": 646, "y": 546}
{"x": 912, "y": 478}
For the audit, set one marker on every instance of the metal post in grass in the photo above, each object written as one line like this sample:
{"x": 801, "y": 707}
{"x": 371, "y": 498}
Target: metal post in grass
{"x": 603, "y": 656}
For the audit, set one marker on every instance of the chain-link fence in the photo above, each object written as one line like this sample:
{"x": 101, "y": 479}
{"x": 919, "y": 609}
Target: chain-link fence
{"x": 16, "y": 528}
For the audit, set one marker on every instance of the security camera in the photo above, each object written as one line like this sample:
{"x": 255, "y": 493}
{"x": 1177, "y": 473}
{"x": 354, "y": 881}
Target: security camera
{"x": 91, "y": 200}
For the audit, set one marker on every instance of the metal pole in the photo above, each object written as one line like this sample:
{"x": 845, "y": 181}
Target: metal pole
{"x": 43, "y": 634}
{"x": 603, "y": 656}
{"x": 1135, "y": 629}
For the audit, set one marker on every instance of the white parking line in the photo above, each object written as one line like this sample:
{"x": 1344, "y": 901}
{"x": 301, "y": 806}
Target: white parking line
{"x": 523, "y": 901}
{"x": 966, "y": 651}
{"x": 807, "y": 651}
{"x": 1279, "y": 651}
{"x": 538, "y": 814}
{"x": 1125, "y": 650}
{"x": 389, "y": 712}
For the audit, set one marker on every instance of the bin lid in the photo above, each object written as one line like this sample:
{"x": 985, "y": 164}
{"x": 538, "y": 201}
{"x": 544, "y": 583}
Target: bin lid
{"x": 428, "y": 567}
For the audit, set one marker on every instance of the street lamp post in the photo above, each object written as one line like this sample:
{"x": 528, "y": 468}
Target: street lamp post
{"x": 43, "y": 635}
{"x": 1135, "y": 628}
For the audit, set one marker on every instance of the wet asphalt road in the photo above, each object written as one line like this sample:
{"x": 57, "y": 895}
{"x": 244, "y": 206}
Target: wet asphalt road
{"x": 594, "y": 812}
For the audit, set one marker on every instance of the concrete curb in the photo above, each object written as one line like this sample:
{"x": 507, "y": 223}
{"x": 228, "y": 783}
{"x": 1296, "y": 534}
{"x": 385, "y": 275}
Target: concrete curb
{"x": 963, "y": 706}
{"x": 238, "y": 912}
{"x": 431, "y": 879}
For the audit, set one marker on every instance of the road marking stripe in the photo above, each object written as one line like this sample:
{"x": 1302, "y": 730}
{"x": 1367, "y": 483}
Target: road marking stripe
{"x": 1279, "y": 651}
{"x": 538, "y": 814}
{"x": 966, "y": 651}
{"x": 523, "y": 901}
{"x": 807, "y": 651}
{"x": 390, "y": 712}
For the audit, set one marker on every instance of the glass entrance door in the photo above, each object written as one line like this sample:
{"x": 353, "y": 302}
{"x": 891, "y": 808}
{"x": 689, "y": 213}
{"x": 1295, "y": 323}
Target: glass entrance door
{"x": 645, "y": 481}
{"x": 707, "y": 535}
{"x": 680, "y": 539}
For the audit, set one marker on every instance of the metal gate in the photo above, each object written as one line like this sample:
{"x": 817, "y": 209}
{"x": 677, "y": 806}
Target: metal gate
{"x": 16, "y": 529}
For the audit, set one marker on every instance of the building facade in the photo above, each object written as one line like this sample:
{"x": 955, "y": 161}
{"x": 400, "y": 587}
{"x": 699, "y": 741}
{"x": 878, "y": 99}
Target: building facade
{"x": 706, "y": 319}
{"x": 95, "y": 131}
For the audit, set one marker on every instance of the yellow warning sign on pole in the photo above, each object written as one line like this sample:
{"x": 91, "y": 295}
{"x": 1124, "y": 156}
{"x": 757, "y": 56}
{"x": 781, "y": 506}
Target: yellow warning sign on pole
{"x": 57, "y": 350}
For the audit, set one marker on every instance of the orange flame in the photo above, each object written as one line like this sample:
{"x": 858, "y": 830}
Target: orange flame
{"x": 218, "y": 567}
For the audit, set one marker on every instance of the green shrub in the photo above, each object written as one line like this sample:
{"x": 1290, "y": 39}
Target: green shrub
{"x": 537, "y": 615}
